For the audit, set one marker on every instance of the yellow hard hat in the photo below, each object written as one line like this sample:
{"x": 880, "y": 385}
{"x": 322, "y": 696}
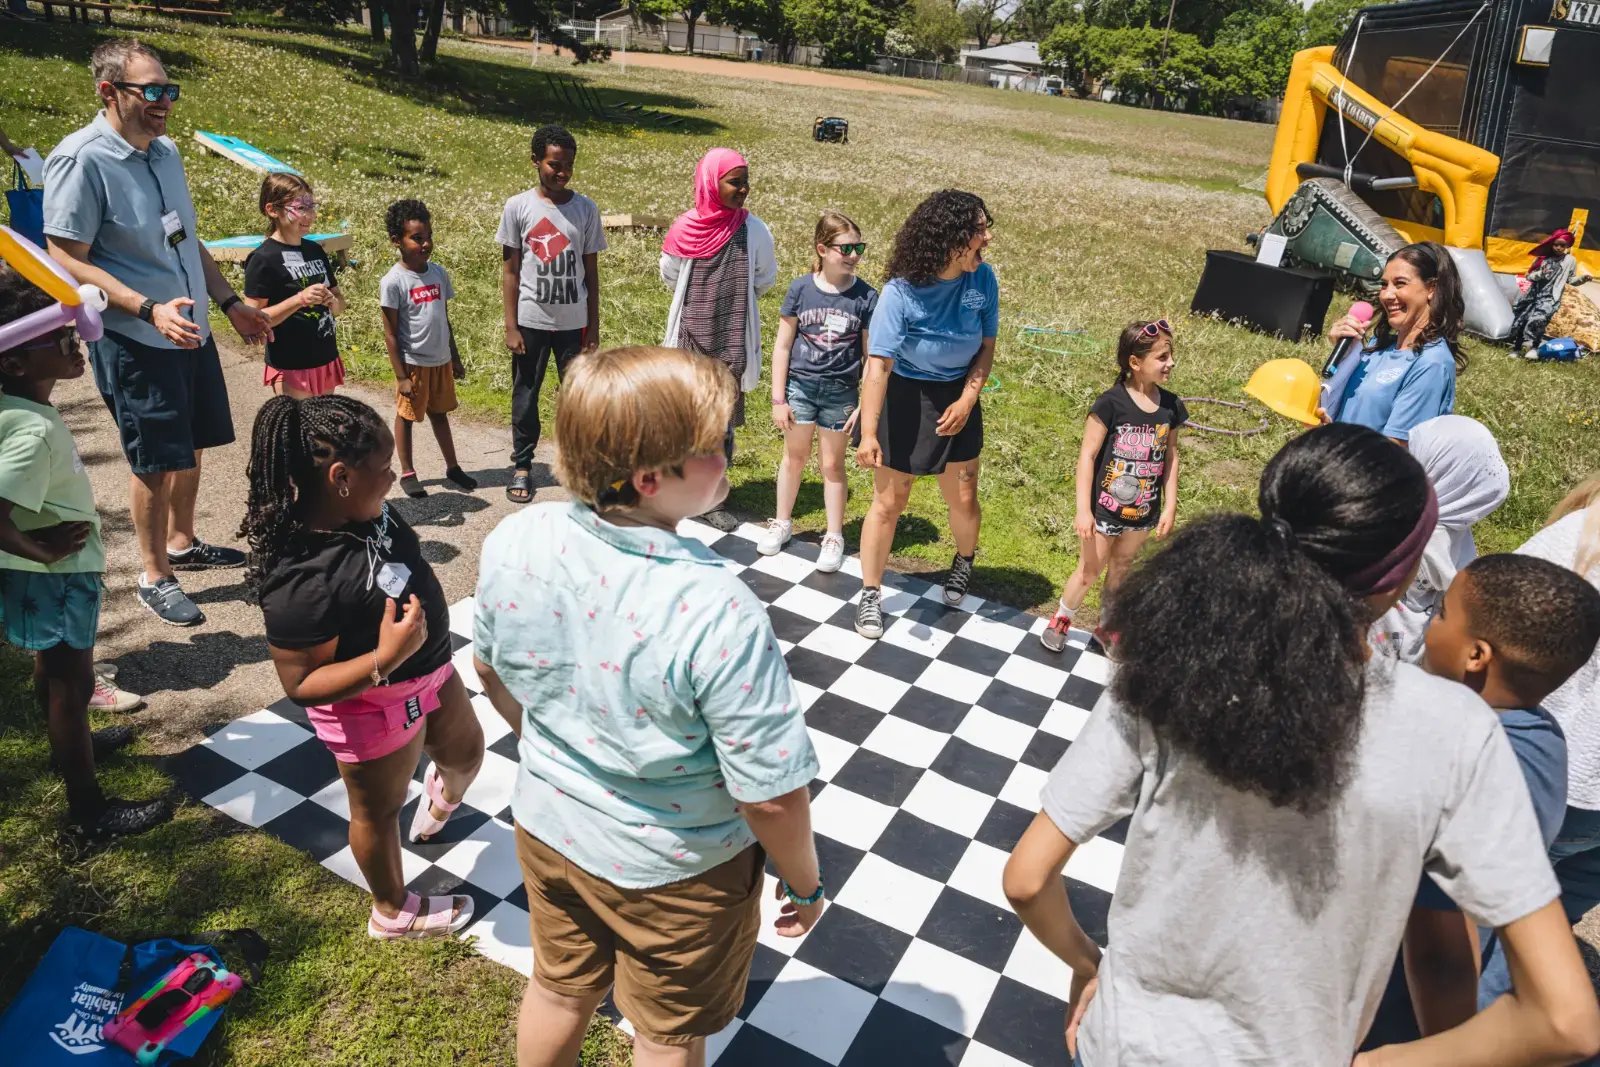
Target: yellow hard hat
{"x": 1288, "y": 386}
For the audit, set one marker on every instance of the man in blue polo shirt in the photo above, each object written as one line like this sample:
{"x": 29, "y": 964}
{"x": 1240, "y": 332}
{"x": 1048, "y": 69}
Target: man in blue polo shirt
{"x": 117, "y": 214}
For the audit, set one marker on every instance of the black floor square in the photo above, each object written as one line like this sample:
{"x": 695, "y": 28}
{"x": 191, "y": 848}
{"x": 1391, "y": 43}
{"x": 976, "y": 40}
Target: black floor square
{"x": 200, "y": 772}
{"x": 1045, "y": 750}
{"x": 1033, "y": 650}
{"x": 893, "y": 1035}
{"x": 972, "y": 929}
{"x": 973, "y": 767}
{"x": 768, "y": 587}
{"x": 1003, "y": 698}
{"x": 920, "y": 846}
{"x": 1081, "y": 693}
{"x": 506, "y": 745}
{"x": 877, "y": 777}
{"x": 935, "y": 615}
{"x": 1003, "y": 826}
{"x": 463, "y": 821}
{"x": 896, "y": 662}
{"x": 311, "y": 828}
{"x": 1090, "y": 906}
{"x": 994, "y": 611}
{"x": 927, "y": 708}
{"x": 974, "y": 656}
{"x": 736, "y": 548}
{"x": 288, "y": 709}
{"x": 1025, "y": 1024}
{"x": 860, "y": 950}
{"x": 838, "y": 584}
{"x": 833, "y": 714}
{"x": 305, "y": 768}
{"x": 813, "y": 668}
{"x": 763, "y": 972}
{"x": 789, "y": 626}
{"x": 837, "y": 859}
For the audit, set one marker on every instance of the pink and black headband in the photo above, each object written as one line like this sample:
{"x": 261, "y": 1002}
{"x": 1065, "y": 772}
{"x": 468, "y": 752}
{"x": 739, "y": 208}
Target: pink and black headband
{"x": 1390, "y": 573}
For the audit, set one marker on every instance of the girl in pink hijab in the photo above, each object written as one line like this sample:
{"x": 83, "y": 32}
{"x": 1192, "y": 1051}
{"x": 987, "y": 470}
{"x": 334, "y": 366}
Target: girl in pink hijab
{"x": 719, "y": 259}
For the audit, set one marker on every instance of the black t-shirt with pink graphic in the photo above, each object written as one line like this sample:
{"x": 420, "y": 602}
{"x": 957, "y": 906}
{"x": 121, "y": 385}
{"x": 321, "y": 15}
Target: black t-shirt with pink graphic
{"x": 1132, "y": 463}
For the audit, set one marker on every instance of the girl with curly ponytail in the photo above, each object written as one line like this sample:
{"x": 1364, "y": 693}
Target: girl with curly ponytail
{"x": 1286, "y": 793}
{"x": 331, "y": 565}
{"x": 931, "y": 347}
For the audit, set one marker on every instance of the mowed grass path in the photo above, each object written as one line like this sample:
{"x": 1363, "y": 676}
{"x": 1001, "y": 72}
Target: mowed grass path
{"x": 1102, "y": 215}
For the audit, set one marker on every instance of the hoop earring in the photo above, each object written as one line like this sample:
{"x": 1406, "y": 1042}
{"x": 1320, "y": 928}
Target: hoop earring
{"x": 344, "y": 491}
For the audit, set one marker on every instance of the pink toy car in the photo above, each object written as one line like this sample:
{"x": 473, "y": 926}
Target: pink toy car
{"x": 181, "y": 997}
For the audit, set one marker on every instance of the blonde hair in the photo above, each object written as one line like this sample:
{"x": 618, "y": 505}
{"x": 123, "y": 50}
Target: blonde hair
{"x": 1585, "y": 497}
{"x": 639, "y": 408}
{"x": 277, "y": 189}
{"x": 829, "y": 226}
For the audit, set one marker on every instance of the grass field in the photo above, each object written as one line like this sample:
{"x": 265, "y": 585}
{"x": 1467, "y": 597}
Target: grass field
{"x": 1102, "y": 214}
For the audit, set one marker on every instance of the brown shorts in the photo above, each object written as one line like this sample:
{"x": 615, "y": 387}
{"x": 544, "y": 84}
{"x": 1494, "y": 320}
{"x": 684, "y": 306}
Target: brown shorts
{"x": 433, "y": 392}
{"x": 678, "y": 954}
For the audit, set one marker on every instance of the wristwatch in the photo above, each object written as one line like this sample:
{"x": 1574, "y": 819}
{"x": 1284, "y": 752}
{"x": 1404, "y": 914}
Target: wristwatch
{"x": 147, "y": 309}
{"x": 229, "y": 302}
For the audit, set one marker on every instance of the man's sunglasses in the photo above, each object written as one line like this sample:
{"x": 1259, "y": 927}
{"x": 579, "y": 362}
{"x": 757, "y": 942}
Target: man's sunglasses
{"x": 857, "y": 248}
{"x": 1152, "y": 329}
{"x": 152, "y": 91}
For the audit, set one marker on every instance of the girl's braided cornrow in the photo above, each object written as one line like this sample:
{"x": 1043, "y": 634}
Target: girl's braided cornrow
{"x": 292, "y": 441}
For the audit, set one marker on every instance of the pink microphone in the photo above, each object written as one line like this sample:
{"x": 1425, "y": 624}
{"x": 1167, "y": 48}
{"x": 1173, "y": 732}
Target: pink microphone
{"x": 1362, "y": 312}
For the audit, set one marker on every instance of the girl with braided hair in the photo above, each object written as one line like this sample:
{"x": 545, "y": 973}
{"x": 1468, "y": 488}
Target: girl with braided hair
{"x": 331, "y": 565}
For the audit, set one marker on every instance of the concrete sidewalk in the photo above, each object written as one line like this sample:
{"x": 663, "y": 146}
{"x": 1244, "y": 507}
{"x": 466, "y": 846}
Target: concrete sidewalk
{"x": 198, "y": 676}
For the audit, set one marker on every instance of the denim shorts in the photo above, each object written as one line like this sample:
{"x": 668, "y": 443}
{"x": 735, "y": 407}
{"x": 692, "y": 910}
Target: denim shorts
{"x": 825, "y": 402}
{"x": 169, "y": 403}
{"x": 45, "y": 610}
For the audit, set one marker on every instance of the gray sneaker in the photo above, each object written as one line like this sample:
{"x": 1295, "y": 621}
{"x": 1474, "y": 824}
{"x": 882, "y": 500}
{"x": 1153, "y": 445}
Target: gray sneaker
{"x": 167, "y": 600}
{"x": 869, "y": 614}
{"x": 955, "y": 585}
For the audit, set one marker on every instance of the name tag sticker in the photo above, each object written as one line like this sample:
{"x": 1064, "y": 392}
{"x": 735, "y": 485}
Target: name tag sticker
{"x": 172, "y": 226}
{"x": 835, "y": 323}
{"x": 293, "y": 259}
{"x": 392, "y": 578}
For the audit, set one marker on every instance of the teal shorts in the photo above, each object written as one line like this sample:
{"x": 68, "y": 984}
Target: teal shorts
{"x": 45, "y": 610}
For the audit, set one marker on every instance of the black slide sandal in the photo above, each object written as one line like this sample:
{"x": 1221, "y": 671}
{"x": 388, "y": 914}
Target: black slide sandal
{"x": 520, "y": 491}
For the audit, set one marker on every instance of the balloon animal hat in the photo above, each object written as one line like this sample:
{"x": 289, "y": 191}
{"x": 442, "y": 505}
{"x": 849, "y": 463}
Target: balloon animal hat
{"x": 76, "y": 305}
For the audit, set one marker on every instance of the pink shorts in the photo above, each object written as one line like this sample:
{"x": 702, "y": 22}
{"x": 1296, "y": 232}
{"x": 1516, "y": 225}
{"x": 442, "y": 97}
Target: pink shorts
{"x": 318, "y": 381}
{"x": 381, "y": 720}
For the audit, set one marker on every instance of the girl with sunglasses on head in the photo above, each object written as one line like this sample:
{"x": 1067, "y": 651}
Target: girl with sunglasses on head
{"x": 816, "y": 378}
{"x": 1127, "y": 482}
{"x": 291, "y": 278}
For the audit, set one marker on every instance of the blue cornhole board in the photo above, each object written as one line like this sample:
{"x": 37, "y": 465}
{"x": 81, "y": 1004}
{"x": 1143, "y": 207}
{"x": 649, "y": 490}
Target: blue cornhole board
{"x": 243, "y": 153}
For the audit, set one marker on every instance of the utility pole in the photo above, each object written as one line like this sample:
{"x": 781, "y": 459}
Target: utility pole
{"x": 1171, "y": 7}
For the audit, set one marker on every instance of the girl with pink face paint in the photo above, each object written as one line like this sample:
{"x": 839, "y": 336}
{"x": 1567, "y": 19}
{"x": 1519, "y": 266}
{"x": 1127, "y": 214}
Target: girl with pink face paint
{"x": 719, "y": 259}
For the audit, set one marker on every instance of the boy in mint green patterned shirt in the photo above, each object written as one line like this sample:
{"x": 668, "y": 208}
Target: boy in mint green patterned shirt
{"x": 663, "y": 752}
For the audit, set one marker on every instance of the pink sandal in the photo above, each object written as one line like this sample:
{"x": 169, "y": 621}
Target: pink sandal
{"x": 441, "y": 919}
{"x": 423, "y": 824}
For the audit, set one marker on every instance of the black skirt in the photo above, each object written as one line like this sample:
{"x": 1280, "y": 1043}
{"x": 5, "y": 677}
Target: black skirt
{"x": 908, "y": 429}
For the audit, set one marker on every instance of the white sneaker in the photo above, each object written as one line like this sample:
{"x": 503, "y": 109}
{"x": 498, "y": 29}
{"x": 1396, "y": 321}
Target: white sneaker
{"x": 774, "y": 537}
{"x": 832, "y": 556}
{"x": 107, "y": 697}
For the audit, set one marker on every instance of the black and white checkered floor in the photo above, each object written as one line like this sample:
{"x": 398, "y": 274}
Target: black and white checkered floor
{"x": 934, "y": 743}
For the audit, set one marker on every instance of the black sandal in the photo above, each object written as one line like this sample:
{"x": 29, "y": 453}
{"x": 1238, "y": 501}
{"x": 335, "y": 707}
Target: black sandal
{"x": 520, "y": 491}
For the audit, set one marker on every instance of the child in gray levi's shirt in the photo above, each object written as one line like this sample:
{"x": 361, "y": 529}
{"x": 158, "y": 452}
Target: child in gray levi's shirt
{"x": 1286, "y": 794}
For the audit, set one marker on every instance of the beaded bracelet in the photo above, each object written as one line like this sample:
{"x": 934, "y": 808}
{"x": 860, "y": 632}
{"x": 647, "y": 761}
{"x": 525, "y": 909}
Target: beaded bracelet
{"x": 797, "y": 899}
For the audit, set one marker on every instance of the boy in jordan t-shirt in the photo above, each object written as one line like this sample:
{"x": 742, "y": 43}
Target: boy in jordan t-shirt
{"x": 549, "y": 238}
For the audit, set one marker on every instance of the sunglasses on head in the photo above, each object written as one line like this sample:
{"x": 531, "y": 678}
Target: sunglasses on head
{"x": 854, "y": 248}
{"x": 1152, "y": 329}
{"x": 151, "y": 91}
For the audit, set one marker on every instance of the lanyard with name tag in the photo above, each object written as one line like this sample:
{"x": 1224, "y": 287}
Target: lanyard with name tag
{"x": 172, "y": 226}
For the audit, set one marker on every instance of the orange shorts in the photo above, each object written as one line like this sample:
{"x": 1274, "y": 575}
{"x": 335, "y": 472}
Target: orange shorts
{"x": 679, "y": 955}
{"x": 433, "y": 392}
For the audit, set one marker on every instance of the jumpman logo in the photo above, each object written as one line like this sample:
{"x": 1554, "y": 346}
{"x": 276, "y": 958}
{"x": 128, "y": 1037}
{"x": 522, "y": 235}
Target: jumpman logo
{"x": 546, "y": 242}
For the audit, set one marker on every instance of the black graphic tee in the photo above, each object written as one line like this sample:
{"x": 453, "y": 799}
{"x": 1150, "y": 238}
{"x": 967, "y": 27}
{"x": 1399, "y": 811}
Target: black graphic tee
{"x": 1133, "y": 461}
{"x": 277, "y": 271}
{"x": 335, "y": 585}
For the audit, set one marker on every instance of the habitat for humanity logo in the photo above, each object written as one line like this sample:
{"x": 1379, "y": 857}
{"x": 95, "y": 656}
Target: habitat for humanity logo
{"x": 92, "y": 1007}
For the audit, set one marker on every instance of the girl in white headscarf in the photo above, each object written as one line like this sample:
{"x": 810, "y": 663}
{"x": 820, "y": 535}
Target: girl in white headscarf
{"x": 1470, "y": 479}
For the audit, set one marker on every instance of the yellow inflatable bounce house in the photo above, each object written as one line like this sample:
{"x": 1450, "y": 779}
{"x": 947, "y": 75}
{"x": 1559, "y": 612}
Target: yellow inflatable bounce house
{"x": 1475, "y": 123}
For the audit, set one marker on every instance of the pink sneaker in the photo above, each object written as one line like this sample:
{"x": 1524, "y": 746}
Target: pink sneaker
{"x": 107, "y": 697}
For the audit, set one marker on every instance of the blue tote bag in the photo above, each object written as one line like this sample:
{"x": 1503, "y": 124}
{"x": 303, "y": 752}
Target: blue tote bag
{"x": 26, "y": 206}
{"x": 82, "y": 983}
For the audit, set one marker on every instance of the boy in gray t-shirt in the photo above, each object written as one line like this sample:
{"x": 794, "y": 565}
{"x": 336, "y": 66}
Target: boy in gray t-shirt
{"x": 415, "y": 297}
{"x": 550, "y": 239}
